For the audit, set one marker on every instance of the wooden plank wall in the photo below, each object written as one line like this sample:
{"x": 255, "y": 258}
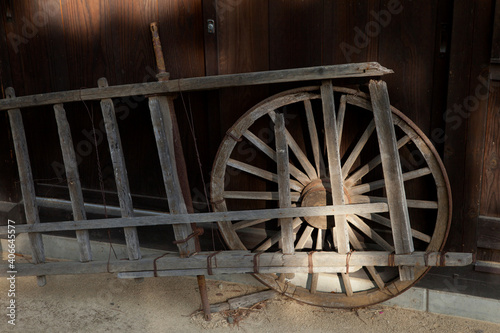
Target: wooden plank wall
{"x": 60, "y": 45}
{"x": 74, "y": 42}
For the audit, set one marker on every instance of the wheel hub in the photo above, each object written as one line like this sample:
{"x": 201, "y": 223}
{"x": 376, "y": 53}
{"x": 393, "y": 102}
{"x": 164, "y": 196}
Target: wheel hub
{"x": 317, "y": 194}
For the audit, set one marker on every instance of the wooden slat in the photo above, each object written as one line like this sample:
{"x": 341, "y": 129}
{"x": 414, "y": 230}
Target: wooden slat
{"x": 27, "y": 185}
{"x": 201, "y": 83}
{"x": 162, "y": 125}
{"x": 398, "y": 208}
{"x": 120, "y": 170}
{"x": 334, "y": 168}
{"x": 387, "y": 222}
{"x": 232, "y": 261}
{"x": 285, "y": 200}
{"x": 169, "y": 219}
{"x": 73, "y": 180}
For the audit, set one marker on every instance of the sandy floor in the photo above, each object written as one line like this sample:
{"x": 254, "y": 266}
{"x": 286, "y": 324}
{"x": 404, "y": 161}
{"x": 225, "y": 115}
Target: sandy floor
{"x": 103, "y": 303}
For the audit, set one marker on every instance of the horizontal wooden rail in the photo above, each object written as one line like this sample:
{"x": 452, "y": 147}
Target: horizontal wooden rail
{"x": 365, "y": 69}
{"x": 243, "y": 262}
{"x": 200, "y": 217}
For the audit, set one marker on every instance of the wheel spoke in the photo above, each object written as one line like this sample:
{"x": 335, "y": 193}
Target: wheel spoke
{"x": 371, "y": 270}
{"x": 246, "y": 224}
{"x": 341, "y": 116}
{"x": 308, "y": 168}
{"x": 271, "y": 153}
{"x": 361, "y": 225}
{"x": 275, "y": 238}
{"x": 387, "y": 222}
{"x": 313, "y": 133}
{"x": 306, "y": 234}
{"x": 368, "y": 187}
{"x": 358, "y": 148}
{"x": 261, "y": 173}
{"x": 256, "y": 195}
{"x": 411, "y": 203}
{"x": 372, "y": 164}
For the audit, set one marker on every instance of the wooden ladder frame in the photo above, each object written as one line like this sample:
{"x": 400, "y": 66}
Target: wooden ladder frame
{"x": 160, "y": 104}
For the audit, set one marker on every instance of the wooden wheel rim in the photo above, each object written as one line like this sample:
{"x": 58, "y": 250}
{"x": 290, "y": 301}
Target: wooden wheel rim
{"x": 329, "y": 299}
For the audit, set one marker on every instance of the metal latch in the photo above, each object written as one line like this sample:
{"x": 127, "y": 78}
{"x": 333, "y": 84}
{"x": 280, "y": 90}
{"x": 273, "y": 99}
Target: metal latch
{"x": 210, "y": 26}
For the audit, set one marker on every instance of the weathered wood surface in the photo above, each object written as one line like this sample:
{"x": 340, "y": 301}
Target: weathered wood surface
{"x": 27, "y": 185}
{"x": 202, "y": 217}
{"x": 323, "y": 262}
{"x": 334, "y": 164}
{"x": 244, "y": 301}
{"x": 488, "y": 233}
{"x": 120, "y": 172}
{"x": 73, "y": 180}
{"x": 282, "y": 160}
{"x": 366, "y": 69}
{"x": 163, "y": 129}
{"x": 398, "y": 207}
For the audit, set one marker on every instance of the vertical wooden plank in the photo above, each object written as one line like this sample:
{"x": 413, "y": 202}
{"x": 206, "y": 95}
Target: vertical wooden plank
{"x": 27, "y": 186}
{"x": 334, "y": 168}
{"x": 282, "y": 160}
{"x": 490, "y": 191}
{"x": 73, "y": 179}
{"x": 466, "y": 119}
{"x": 295, "y": 34}
{"x": 130, "y": 38}
{"x": 162, "y": 125}
{"x": 120, "y": 171}
{"x": 396, "y": 198}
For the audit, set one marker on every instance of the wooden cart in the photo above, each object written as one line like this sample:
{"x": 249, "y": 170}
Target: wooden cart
{"x": 333, "y": 224}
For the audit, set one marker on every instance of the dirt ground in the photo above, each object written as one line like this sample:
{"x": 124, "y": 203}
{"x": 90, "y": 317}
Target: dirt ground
{"x": 103, "y": 303}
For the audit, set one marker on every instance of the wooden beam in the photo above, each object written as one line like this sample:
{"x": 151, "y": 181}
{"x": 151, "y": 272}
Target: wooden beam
{"x": 121, "y": 177}
{"x": 163, "y": 128}
{"x": 393, "y": 175}
{"x": 27, "y": 185}
{"x": 243, "y": 261}
{"x": 365, "y": 69}
{"x": 169, "y": 219}
{"x": 73, "y": 180}
{"x": 282, "y": 160}
{"x": 334, "y": 165}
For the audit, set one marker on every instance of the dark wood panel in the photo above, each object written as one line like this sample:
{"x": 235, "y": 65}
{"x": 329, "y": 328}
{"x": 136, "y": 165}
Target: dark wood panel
{"x": 490, "y": 191}
{"x": 406, "y": 46}
{"x": 243, "y": 43}
{"x": 488, "y": 230}
{"x": 462, "y": 149}
{"x": 131, "y": 39}
{"x": 495, "y": 45}
{"x": 345, "y": 22}
{"x": 295, "y": 34}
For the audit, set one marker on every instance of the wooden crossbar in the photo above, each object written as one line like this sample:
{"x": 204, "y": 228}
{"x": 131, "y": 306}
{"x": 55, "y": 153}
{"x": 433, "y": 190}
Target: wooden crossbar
{"x": 169, "y": 219}
{"x": 244, "y": 262}
{"x": 365, "y": 69}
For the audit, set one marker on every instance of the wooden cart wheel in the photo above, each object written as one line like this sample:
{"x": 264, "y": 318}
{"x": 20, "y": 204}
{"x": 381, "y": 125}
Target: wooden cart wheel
{"x": 246, "y": 161}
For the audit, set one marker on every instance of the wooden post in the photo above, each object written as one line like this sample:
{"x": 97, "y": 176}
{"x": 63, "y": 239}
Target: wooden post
{"x": 27, "y": 185}
{"x": 282, "y": 161}
{"x": 73, "y": 179}
{"x": 393, "y": 175}
{"x": 121, "y": 178}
